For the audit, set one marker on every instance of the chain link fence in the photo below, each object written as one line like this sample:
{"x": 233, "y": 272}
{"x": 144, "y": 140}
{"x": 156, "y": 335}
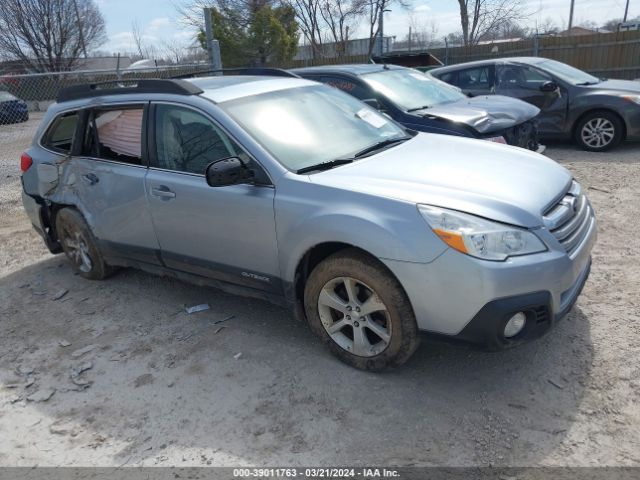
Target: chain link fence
{"x": 25, "y": 98}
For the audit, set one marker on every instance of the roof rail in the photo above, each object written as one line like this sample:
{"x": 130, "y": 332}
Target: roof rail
{"x": 274, "y": 72}
{"x": 177, "y": 87}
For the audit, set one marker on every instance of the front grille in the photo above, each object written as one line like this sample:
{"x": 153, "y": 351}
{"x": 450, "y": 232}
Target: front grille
{"x": 569, "y": 220}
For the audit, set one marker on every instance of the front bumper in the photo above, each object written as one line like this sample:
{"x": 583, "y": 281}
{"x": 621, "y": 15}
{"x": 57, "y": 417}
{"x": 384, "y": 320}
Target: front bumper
{"x": 471, "y": 299}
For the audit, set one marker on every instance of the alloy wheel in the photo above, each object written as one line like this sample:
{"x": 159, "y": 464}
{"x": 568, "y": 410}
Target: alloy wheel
{"x": 354, "y": 316}
{"x": 598, "y": 132}
{"x": 78, "y": 251}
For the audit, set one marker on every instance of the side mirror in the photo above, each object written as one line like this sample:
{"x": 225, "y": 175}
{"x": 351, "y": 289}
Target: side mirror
{"x": 228, "y": 171}
{"x": 549, "y": 86}
{"x": 373, "y": 102}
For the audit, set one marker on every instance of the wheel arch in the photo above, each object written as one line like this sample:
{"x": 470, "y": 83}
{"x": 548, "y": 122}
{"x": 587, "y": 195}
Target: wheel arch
{"x": 311, "y": 259}
{"x": 589, "y": 111}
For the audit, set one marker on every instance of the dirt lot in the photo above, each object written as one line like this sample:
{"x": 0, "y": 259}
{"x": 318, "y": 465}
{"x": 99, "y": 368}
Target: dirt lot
{"x": 164, "y": 388}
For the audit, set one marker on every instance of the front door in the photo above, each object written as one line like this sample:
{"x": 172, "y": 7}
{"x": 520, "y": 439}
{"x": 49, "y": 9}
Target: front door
{"x": 525, "y": 83}
{"x": 226, "y": 233}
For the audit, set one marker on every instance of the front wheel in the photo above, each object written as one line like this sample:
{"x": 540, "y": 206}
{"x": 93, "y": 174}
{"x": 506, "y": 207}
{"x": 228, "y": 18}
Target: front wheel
{"x": 80, "y": 246}
{"x": 599, "y": 131}
{"x": 359, "y": 309}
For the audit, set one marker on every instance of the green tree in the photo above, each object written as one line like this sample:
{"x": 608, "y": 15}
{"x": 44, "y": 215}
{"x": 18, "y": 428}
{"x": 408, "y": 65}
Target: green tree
{"x": 256, "y": 37}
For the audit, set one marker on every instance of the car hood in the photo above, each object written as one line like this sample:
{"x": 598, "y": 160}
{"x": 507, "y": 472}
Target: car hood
{"x": 500, "y": 182}
{"x": 624, "y": 86}
{"x": 486, "y": 114}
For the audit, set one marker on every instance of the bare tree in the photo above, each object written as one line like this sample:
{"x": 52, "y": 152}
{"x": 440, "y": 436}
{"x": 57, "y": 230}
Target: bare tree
{"x": 310, "y": 22}
{"x": 50, "y": 35}
{"x": 480, "y": 17}
{"x": 548, "y": 26}
{"x": 341, "y": 16}
{"x": 137, "y": 34}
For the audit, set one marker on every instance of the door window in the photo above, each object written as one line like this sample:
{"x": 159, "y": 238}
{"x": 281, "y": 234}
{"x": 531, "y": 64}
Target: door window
{"x": 348, "y": 86}
{"x": 516, "y": 76}
{"x": 479, "y": 78}
{"x": 187, "y": 141}
{"x": 115, "y": 134}
{"x": 59, "y": 136}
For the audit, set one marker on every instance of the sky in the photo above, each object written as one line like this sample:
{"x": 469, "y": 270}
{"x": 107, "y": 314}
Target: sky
{"x": 160, "y": 22}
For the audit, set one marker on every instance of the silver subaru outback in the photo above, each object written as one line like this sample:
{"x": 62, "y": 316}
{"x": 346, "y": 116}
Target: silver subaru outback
{"x": 295, "y": 192}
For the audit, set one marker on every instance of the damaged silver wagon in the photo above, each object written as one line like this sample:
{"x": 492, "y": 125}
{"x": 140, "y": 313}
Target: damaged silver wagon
{"x": 292, "y": 191}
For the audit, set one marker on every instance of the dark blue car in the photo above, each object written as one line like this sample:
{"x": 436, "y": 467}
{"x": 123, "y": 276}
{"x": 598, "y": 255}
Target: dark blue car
{"x": 424, "y": 103}
{"x": 12, "y": 109}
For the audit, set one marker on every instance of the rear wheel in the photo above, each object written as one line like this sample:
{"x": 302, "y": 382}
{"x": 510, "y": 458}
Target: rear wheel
{"x": 599, "y": 131}
{"x": 80, "y": 246}
{"x": 356, "y": 306}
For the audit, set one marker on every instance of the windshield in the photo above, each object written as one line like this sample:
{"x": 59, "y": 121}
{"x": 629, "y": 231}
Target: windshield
{"x": 6, "y": 96}
{"x": 411, "y": 89}
{"x": 567, "y": 73}
{"x": 306, "y": 126}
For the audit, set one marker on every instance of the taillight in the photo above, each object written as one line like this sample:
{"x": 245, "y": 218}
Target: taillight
{"x": 25, "y": 162}
{"x": 497, "y": 140}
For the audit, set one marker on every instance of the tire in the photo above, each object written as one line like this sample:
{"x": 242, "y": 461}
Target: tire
{"x": 80, "y": 246}
{"x": 387, "y": 337}
{"x": 599, "y": 131}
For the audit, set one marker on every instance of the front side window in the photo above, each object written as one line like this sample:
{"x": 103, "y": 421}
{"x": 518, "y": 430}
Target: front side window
{"x": 59, "y": 136}
{"x": 516, "y": 76}
{"x": 115, "y": 134}
{"x": 411, "y": 89}
{"x": 187, "y": 141}
{"x": 309, "y": 125}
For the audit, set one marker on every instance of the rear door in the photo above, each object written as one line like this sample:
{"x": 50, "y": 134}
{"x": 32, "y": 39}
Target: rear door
{"x": 227, "y": 233}
{"x": 107, "y": 172}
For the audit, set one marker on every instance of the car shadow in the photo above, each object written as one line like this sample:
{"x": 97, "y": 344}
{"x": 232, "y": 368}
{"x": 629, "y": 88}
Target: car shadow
{"x": 167, "y": 388}
{"x": 626, "y": 152}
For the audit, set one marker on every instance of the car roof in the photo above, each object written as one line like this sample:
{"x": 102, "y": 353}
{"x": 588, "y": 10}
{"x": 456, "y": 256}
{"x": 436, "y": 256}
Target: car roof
{"x": 225, "y": 88}
{"x": 492, "y": 61}
{"x": 216, "y": 88}
{"x": 349, "y": 69}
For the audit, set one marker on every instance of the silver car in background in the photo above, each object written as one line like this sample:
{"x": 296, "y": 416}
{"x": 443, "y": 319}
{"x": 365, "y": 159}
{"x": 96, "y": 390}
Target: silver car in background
{"x": 295, "y": 192}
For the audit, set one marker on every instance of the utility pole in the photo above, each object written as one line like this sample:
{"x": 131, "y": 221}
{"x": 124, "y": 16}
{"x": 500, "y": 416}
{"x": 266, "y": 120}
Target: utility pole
{"x": 213, "y": 46}
{"x": 80, "y": 33}
{"x": 626, "y": 12}
{"x": 571, "y": 16}
{"x": 381, "y": 24}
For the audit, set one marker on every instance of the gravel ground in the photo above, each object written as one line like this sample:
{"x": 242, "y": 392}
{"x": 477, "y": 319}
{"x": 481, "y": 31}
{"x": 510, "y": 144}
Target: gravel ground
{"x": 114, "y": 373}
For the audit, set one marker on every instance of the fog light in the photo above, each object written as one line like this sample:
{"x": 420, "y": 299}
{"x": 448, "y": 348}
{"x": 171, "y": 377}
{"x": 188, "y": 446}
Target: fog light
{"x": 515, "y": 325}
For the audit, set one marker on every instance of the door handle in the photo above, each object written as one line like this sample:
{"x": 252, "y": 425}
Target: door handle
{"x": 90, "y": 178}
{"x": 162, "y": 192}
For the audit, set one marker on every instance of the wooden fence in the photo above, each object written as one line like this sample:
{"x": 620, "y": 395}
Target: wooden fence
{"x": 612, "y": 55}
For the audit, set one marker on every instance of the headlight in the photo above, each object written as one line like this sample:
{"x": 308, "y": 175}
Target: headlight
{"x": 478, "y": 237}
{"x": 632, "y": 98}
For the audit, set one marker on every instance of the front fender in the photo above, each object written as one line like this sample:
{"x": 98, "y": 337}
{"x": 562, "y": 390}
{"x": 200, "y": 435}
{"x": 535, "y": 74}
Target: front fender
{"x": 385, "y": 228}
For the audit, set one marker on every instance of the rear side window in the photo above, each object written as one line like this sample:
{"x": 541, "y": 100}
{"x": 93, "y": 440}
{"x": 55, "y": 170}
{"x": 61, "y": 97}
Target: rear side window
{"x": 59, "y": 136}
{"x": 348, "y": 86}
{"x": 115, "y": 134}
{"x": 479, "y": 78}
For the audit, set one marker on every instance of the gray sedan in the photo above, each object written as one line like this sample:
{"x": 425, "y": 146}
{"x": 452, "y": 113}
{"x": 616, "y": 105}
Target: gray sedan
{"x": 597, "y": 113}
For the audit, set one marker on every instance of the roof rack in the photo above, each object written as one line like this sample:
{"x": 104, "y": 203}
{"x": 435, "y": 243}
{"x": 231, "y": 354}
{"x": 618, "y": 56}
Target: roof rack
{"x": 177, "y": 87}
{"x": 273, "y": 72}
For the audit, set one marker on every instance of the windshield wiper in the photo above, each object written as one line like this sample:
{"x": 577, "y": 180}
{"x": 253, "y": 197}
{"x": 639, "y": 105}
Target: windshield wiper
{"x": 379, "y": 145}
{"x": 418, "y": 108}
{"x": 588, "y": 83}
{"x": 325, "y": 165}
